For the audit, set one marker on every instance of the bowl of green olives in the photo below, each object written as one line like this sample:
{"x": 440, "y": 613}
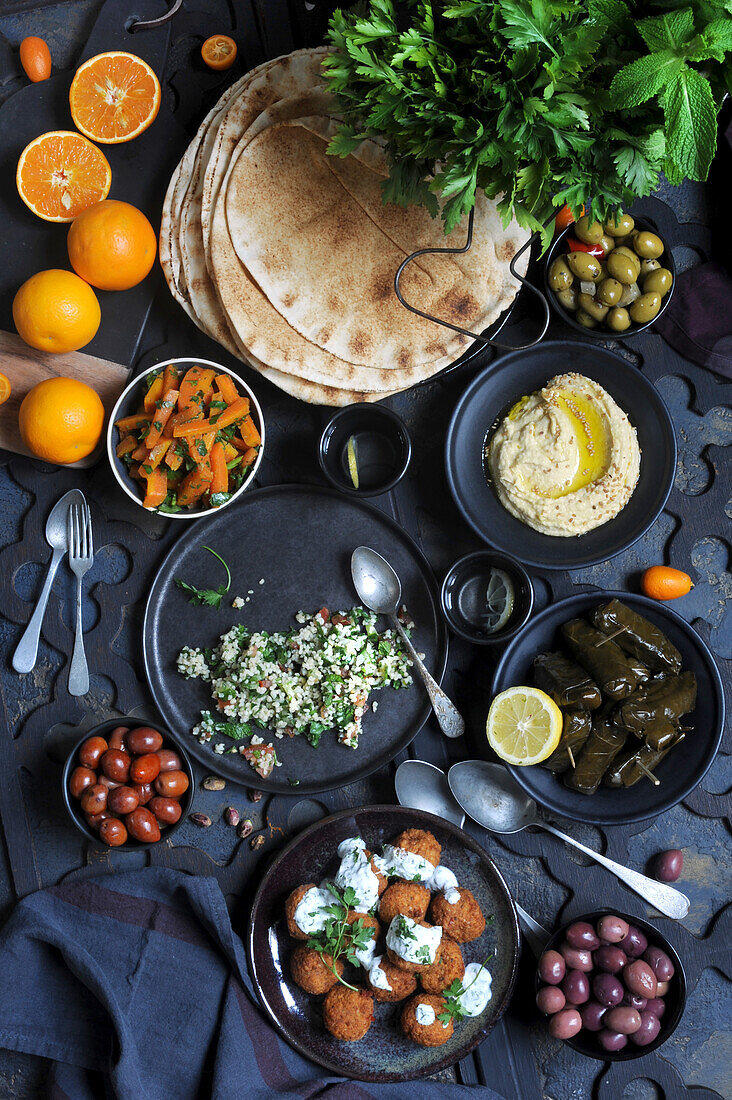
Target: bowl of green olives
{"x": 611, "y": 279}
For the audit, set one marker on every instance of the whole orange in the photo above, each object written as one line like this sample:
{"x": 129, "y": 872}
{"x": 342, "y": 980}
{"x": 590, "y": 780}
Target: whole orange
{"x": 112, "y": 245}
{"x": 56, "y": 311}
{"x": 61, "y": 420}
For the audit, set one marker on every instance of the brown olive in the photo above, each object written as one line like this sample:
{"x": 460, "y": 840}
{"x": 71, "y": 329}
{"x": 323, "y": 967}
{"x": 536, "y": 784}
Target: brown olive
{"x": 609, "y": 291}
{"x": 624, "y": 1019}
{"x": 645, "y": 308}
{"x": 560, "y": 277}
{"x": 647, "y": 266}
{"x": 620, "y": 227}
{"x": 113, "y": 832}
{"x": 648, "y": 245}
{"x": 590, "y": 305}
{"x": 607, "y": 243}
{"x": 169, "y": 761}
{"x": 172, "y": 784}
{"x": 116, "y": 765}
{"x": 142, "y": 825}
{"x": 618, "y": 319}
{"x": 565, "y": 1023}
{"x": 91, "y": 751}
{"x": 143, "y": 740}
{"x": 667, "y": 866}
{"x": 80, "y": 779}
{"x": 94, "y": 799}
{"x": 145, "y": 768}
{"x": 144, "y": 792}
{"x": 621, "y": 267}
{"x": 166, "y": 810}
{"x": 658, "y": 282}
{"x": 95, "y": 820}
{"x": 585, "y": 319}
{"x": 123, "y": 800}
{"x": 584, "y": 266}
{"x": 589, "y": 232}
{"x": 568, "y": 298}
{"x": 117, "y": 738}
{"x": 639, "y": 978}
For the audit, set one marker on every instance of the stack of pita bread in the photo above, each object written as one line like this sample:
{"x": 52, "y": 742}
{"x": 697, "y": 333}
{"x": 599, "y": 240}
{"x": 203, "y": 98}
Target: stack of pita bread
{"x": 286, "y": 256}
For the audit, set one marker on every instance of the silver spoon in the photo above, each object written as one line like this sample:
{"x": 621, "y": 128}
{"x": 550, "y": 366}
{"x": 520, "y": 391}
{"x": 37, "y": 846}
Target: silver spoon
{"x": 490, "y": 795}
{"x": 24, "y": 658}
{"x": 423, "y": 786}
{"x": 380, "y": 589}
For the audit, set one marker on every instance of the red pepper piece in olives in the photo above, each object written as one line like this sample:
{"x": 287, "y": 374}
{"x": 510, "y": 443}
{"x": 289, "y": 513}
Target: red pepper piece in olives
{"x": 116, "y": 765}
{"x": 582, "y": 935}
{"x": 91, "y": 751}
{"x": 634, "y": 944}
{"x": 144, "y": 792}
{"x": 576, "y": 958}
{"x": 95, "y": 820}
{"x": 80, "y": 779}
{"x": 565, "y": 1024}
{"x": 667, "y": 866}
{"x": 118, "y": 738}
{"x": 550, "y": 999}
{"x": 659, "y": 963}
{"x": 169, "y": 761}
{"x": 144, "y": 769}
{"x": 168, "y": 811}
{"x": 612, "y": 929}
{"x": 656, "y": 1006}
{"x": 172, "y": 784}
{"x": 143, "y": 740}
{"x": 576, "y": 987}
{"x": 607, "y": 989}
{"x": 649, "y": 1028}
{"x": 612, "y": 1040}
{"x": 639, "y": 978}
{"x": 94, "y": 799}
{"x": 624, "y": 1019}
{"x": 593, "y": 1015}
{"x": 113, "y": 832}
{"x": 610, "y": 958}
{"x": 143, "y": 826}
{"x": 123, "y": 800}
{"x": 552, "y": 967}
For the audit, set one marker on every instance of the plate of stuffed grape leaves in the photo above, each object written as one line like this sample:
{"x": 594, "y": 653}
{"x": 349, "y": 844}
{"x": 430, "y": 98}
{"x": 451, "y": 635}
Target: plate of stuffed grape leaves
{"x": 641, "y": 699}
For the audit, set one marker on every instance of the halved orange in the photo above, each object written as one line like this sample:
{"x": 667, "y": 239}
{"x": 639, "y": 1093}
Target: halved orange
{"x": 60, "y": 174}
{"x": 219, "y": 52}
{"x": 114, "y": 97}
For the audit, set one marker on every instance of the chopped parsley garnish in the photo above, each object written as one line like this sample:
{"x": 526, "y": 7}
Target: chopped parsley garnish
{"x": 207, "y": 597}
{"x": 453, "y": 1008}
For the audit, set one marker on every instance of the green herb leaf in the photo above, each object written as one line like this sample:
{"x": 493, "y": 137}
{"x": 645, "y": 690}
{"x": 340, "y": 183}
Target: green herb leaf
{"x": 207, "y": 597}
{"x": 691, "y": 123}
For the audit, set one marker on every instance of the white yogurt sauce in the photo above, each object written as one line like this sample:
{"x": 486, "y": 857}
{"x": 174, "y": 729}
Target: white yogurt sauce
{"x": 476, "y": 993}
{"x": 365, "y": 955}
{"x": 399, "y": 863}
{"x": 424, "y": 1015}
{"x": 356, "y": 871}
{"x": 377, "y": 976}
{"x": 310, "y": 915}
{"x": 412, "y": 942}
{"x": 444, "y": 879}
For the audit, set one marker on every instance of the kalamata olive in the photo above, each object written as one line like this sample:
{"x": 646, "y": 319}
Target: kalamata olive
{"x": 634, "y": 944}
{"x": 143, "y": 825}
{"x": 582, "y": 317}
{"x": 612, "y": 929}
{"x": 592, "y": 1015}
{"x": 169, "y": 761}
{"x": 576, "y": 958}
{"x": 113, "y": 832}
{"x": 568, "y": 298}
{"x": 144, "y": 792}
{"x": 607, "y": 989}
{"x": 583, "y": 266}
{"x": 667, "y": 866}
{"x": 91, "y": 751}
{"x": 624, "y": 1019}
{"x": 123, "y": 800}
{"x": 618, "y": 319}
{"x": 610, "y": 958}
{"x": 609, "y": 291}
{"x": 552, "y": 967}
{"x": 662, "y": 988}
{"x": 581, "y": 934}
{"x": 648, "y": 245}
{"x": 168, "y": 811}
{"x": 143, "y": 740}
{"x": 110, "y": 784}
{"x": 118, "y": 738}
{"x": 116, "y": 764}
{"x": 612, "y": 1040}
{"x": 560, "y": 277}
{"x": 94, "y": 799}
{"x": 656, "y": 1006}
{"x": 622, "y": 268}
{"x": 171, "y": 784}
{"x": 634, "y": 1000}
{"x": 620, "y": 227}
{"x": 588, "y": 231}
{"x": 550, "y": 999}
{"x": 576, "y": 987}
{"x": 659, "y": 281}
{"x": 590, "y": 304}
{"x": 659, "y": 963}
{"x": 645, "y": 308}
{"x": 649, "y": 1028}
{"x": 639, "y": 978}
{"x": 144, "y": 769}
{"x": 95, "y": 820}
{"x": 80, "y": 779}
{"x": 565, "y": 1024}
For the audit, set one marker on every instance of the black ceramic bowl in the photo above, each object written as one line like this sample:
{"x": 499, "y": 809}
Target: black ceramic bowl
{"x": 488, "y": 399}
{"x": 681, "y": 771}
{"x": 77, "y": 814}
{"x": 560, "y": 247}
{"x": 463, "y": 596}
{"x": 585, "y": 1041}
{"x": 382, "y": 446}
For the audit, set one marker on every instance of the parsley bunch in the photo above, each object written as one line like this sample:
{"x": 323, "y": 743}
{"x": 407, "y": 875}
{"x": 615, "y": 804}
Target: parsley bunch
{"x": 339, "y": 939}
{"x": 540, "y": 102}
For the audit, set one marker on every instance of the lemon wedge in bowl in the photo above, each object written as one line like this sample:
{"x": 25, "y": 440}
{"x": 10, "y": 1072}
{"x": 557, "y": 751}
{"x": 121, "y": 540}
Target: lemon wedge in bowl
{"x": 524, "y": 726}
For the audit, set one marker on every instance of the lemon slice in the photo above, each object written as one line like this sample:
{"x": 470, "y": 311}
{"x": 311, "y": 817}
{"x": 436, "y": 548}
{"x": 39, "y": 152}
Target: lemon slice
{"x": 524, "y": 725}
{"x": 352, "y": 461}
{"x": 499, "y": 599}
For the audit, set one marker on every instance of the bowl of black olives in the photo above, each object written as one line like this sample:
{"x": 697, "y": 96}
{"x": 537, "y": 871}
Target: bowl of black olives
{"x": 611, "y": 279}
{"x": 611, "y": 986}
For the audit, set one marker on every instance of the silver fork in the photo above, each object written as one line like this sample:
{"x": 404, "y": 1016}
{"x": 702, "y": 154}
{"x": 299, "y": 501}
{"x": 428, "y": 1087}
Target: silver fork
{"x": 81, "y": 558}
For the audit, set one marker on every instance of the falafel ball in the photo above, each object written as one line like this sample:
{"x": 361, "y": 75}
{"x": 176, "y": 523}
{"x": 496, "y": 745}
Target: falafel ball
{"x": 405, "y": 964}
{"x": 383, "y": 880}
{"x": 426, "y": 1035}
{"x": 408, "y": 898}
{"x": 291, "y": 905}
{"x": 313, "y": 972}
{"x": 463, "y": 920}
{"x": 369, "y": 922}
{"x": 348, "y": 1013}
{"x": 422, "y": 843}
{"x": 445, "y": 969}
{"x": 403, "y": 983}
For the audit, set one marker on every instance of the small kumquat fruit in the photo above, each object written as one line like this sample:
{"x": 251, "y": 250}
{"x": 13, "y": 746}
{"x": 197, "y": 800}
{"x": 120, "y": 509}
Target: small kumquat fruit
{"x": 219, "y": 52}
{"x": 661, "y": 582}
{"x": 35, "y": 57}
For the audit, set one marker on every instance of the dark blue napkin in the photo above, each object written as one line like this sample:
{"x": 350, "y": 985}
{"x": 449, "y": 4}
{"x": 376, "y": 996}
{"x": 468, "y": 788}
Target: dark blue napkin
{"x": 136, "y": 985}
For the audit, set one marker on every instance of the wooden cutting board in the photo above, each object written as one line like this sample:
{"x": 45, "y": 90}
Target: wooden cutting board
{"x": 25, "y": 366}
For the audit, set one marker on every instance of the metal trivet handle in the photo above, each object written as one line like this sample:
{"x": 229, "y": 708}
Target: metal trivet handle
{"x": 466, "y": 332}
{"x": 140, "y": 25}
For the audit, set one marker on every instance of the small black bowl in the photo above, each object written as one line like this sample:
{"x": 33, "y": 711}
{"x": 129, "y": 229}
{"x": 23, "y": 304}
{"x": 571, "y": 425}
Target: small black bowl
{"x": 585, "y": 1041}
{"x": 463, "y": 590}
{"x": 76, "y": 813}
{"x": 559, "y": 247}
{"x": 383, "y": 449}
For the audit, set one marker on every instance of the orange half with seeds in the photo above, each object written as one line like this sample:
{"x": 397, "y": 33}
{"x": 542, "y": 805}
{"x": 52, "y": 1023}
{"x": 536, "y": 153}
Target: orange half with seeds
{"x": 114, "y": 97}
{"x": 60, "y": 174}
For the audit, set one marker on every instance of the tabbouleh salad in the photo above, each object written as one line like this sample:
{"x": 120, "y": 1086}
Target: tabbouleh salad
{"x": 314, "y": 678}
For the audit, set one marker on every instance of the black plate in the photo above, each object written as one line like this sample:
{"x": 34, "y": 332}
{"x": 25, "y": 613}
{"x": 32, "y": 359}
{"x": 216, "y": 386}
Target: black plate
{"x": 300, "y": 540}
{"x": 384, "y": 1054}
{"x": 492, "y": 393}
{"x": 684, "y": 767}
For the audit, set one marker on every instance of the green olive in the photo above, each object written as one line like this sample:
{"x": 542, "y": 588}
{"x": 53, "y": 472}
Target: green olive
{"x": 620, "y": 227}
{"x": 626, "y": 250}
{"x": 607, "y": 242}
{"x": 647, "y": 266}
{"x": 622, "y": 268}
{"x": 588, "y": 232}
{"x": 618, "y": 319}
{"x": 584, "y": 266}
{"x": 645, "y": 308}
{"x": 560, "y": 277}
{"x": 568, "y": 298}
{"x": 609, "y": 291}
{"x": 590, "y": 305}
{"x": 624, "y": 242}
{"x": 648, "y": 245}
{"x": 585, "y": 319}
{"x": 658, "y": 282}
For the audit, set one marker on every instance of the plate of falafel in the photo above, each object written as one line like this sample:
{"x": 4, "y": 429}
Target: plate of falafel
{"x": 383, "y": 943}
